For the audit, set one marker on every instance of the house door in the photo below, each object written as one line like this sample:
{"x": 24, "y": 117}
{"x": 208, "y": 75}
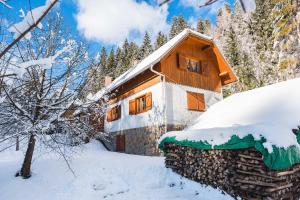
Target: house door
{"x": 120, "y": 143}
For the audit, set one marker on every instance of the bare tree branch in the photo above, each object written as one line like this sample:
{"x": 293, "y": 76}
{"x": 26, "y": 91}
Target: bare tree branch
{"x": 2, "y": 53}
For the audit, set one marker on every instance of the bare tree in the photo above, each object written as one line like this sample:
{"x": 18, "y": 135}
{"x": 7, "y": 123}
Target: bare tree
{"x": 49, "y": 72}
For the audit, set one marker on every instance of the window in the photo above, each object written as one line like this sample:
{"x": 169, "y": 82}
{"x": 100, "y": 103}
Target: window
{"x": 195, "y": 101}
{"x": 114, "y": 113}
{"x": 140, "y": 104}
{"x": 192, "y": 65}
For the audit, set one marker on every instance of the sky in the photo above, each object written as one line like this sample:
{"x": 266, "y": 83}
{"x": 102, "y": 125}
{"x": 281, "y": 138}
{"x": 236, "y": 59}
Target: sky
{"x": 108, "y": 22}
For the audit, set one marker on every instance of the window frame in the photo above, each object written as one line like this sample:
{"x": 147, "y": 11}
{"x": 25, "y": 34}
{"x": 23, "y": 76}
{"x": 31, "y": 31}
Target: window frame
{"x": 134, "y": 104}
{"x": 114, "y": 113}
{"x": 183, "y": 64}
{"x": 200, "y": 100}
{"x": 139, "y": 110}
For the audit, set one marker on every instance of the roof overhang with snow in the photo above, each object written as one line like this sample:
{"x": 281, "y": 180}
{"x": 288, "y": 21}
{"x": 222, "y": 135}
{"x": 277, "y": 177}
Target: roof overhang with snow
{"x": 226, "y": 73}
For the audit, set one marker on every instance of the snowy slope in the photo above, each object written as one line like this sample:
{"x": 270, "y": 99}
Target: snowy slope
{"x": 99, "y": 175}
{"x": 270, "y": 112}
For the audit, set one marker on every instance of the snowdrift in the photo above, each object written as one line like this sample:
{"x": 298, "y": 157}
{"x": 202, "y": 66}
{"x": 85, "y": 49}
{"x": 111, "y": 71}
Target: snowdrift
{"x": 262, "y": 118}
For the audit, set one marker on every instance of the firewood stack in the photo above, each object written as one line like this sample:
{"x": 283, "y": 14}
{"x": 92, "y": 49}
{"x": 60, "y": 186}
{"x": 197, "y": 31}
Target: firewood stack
{"x": 238, "y": 172}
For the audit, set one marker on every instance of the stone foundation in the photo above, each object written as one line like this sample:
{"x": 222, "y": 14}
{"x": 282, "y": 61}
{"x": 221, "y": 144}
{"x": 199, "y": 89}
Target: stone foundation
{"x": 143, "y": 141}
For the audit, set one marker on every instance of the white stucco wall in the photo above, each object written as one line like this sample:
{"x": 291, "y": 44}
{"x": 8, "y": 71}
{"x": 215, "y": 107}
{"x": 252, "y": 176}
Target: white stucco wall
{"x": 149, "y": 118}
{"x": 177, "y": 112}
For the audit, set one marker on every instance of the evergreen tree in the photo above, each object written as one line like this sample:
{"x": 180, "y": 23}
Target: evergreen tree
{"x": 134, "y": 53}
{"x": 118, "y": 60}
{"x": 287, "y": 36}
{"x": 111, "y": 65}
{"x": 178, "y": 25}
{"x": 161, "y": 39}
{"x": 174, "y": 27}
{"x": 103, "y": 61}
{"x": 201, "y": 26}
{"x": 125, "y": 55}
{"x": 182, "y": 24}
{"x": 146, "y": 48}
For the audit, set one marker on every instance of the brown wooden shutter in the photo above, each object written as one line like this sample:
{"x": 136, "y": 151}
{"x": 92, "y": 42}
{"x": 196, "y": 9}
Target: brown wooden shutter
{"x": 181, "y": 61}
{"x": 132, "y": 110}
{"x": 195, "y": 101}
{"x": 201, "y": 102}
{"x": 109, "y": 115}
{"x": 119, "y": 111}
{"x": 148, "y": 101}
{"x": 192, "y": 101}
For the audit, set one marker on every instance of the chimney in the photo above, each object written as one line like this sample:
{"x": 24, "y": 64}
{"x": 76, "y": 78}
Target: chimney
{"x": 107, "y": 80}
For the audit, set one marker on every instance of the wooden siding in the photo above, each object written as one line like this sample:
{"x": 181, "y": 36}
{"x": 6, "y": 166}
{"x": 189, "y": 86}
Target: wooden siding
{"x": 210, "y": 80}
{"x": 138, "y": 84}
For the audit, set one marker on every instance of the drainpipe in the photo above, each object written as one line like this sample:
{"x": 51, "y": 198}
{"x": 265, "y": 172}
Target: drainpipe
{"x": 164, "y": 94}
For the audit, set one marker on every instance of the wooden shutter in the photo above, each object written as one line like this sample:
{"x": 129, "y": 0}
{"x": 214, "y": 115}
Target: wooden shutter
{"x": 201, "y": 102}
{"x": 192, "y": 101}
{"x": 109, "y": 115}
{"x": 132, "y": 109}
{"x": 195, "y": 101}
{"x": 148, "y": 101}
{"x": 119, "y": 111}
{"x": 181, "y": 61}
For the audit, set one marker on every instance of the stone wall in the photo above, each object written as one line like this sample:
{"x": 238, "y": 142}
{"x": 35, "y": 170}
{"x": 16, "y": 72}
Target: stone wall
{"x": 143, "y": 141}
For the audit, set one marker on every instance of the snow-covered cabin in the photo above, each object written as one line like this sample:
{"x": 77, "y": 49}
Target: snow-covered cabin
{"x": 165, "y": 91}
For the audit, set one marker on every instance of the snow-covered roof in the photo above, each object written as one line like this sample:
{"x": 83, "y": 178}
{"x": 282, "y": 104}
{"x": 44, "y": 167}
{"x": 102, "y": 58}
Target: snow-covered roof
{"x": 152, "y": 59}
{"x": 155, "y": 57}
{"x": 269, "y": 112}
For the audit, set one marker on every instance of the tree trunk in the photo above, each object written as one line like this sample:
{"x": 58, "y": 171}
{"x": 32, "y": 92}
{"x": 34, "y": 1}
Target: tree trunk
{"x": 17, "y": 144}
{"x": 25, "y": 171}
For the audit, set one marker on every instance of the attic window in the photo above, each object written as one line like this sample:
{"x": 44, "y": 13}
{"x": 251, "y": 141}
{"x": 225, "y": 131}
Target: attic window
{"x": 191, "y": 64}
{"x": 194, "y": 65}
{"x": 114, "y": 113}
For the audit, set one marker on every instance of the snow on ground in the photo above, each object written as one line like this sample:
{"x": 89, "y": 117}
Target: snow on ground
{"x": 99, "y": 175}
{"x": 270, "y": 112}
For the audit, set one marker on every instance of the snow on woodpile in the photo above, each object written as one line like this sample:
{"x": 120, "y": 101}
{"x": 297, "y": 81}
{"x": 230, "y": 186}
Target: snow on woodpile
{"x": 269, "y": 112}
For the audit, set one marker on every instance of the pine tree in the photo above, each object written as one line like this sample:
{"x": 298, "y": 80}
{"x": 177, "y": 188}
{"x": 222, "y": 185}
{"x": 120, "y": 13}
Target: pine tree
{"x": 134, "y": 53}
{"x": 146, "y": 48}
{"x": 201, "y": 26}
{"x": 118, "y": 60}
{"x": 111, "y": 65}
{"x": 287, "y": 36}
{"x": 125, "y": 55}
{"x": 161, "y": 39}
{"x": 103, "y": 61}
{"x": 178, "y": 25}
{"x": 182, "y": 24}
{"x": 174, "y": 27}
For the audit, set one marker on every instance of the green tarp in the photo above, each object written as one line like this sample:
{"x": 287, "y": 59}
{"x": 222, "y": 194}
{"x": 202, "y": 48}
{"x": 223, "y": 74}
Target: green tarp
{"x": 279, "y": 159}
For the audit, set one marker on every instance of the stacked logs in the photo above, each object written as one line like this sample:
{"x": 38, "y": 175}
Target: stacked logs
{"x": 238, "y": 172}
